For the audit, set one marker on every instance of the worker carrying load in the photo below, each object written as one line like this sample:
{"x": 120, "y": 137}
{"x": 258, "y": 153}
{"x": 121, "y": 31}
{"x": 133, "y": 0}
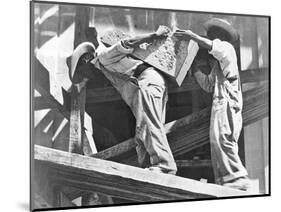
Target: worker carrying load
{"x": 141, "y": 86}
{"x": 226, "y": 114}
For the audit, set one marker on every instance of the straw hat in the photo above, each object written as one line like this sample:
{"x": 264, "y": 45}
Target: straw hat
{"x": 72, "y": 61}
{"x": 223, "y": 24}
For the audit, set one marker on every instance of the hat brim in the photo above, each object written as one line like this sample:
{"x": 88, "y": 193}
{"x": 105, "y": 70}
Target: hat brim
{"x": 215, "y": 22}
{"x": 72, "y": 60}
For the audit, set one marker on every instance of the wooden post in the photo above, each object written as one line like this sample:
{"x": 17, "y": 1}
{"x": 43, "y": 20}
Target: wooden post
{"x": 81, "y": 24}
{"x": 76, "y": 132}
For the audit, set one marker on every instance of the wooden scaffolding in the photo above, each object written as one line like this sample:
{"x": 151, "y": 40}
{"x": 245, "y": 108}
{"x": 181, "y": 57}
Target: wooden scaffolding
{"x": 73, "y": 168}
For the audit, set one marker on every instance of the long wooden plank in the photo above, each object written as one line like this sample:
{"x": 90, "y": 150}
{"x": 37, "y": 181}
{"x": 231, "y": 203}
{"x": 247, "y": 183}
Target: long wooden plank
{"x": 73, "y": 193}
{"x": 192, "y": 131}
{"x": 109, "y": 94}
{"x": 124, "y": 181}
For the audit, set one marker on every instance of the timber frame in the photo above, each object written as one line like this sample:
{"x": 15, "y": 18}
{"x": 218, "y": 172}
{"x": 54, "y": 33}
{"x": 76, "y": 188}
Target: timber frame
{"x": 81, "y": 171}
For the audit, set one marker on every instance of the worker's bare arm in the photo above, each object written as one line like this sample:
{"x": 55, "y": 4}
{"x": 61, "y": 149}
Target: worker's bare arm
{"x": 202, "y": 41}
{"x": 137, "y": 40}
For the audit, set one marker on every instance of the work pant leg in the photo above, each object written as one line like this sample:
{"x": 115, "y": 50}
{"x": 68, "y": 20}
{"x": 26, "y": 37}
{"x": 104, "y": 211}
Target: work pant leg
{"x": 225, "y": 129}
{"x": 149, "y": 108}
{"x": 147, "y": 99}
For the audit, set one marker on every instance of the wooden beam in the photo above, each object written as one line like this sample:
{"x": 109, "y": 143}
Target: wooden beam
{"x": 50, "y": 100}
{"x": 82, "y": 17}
{"x": 124, "y": 181}
{"x": 77, "y": 110}
{"x": 40, "y": 103}
{"x": 108, "y": 94}
{"x": 192, "y": 131}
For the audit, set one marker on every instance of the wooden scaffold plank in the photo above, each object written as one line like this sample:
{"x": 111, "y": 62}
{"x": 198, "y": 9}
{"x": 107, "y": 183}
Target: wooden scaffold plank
{"x": 111, "y": 178}
{"x": 77, "y": 110}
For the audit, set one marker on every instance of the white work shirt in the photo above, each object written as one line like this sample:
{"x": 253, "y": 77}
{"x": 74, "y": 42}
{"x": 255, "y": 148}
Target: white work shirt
{"x": 225, "y": 53}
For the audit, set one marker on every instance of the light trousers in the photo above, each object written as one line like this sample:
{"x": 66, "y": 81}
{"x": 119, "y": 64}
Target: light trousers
{"x": 147, "y": 97}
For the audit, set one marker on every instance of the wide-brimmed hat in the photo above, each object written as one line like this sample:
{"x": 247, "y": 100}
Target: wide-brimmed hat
{"x": 72, "y": 60}
{"x": 223, "y": 24}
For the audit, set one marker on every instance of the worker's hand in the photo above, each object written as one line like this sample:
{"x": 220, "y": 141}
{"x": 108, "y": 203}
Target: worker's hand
{"x": 183, "y": 33}
{"x": 162, "y": 31}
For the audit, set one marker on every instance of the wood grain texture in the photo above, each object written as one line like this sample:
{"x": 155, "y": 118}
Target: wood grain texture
{"x": 124, "y": 181}
{"x": 77, "y": 119}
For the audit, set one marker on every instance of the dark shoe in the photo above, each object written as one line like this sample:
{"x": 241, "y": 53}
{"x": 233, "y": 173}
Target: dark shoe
{"x": 242, "y": 183}
{"x": 158, "y": 169}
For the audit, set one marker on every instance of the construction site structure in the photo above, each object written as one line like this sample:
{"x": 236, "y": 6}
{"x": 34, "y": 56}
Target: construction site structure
{"x": 83, "y": 150}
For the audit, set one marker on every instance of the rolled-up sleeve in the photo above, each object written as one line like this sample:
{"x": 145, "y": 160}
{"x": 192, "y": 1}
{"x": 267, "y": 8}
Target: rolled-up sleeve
{"x": 113, "y": 54}
{"x": 220, "y": 49}
{"x": 224, "y": 52}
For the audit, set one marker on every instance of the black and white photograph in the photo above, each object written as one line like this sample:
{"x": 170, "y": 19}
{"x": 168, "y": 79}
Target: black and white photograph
{"x": 136, "y": 105}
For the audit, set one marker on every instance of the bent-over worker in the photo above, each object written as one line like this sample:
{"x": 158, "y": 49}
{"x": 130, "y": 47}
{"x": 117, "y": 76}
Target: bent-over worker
{"x": 141, "y": 86}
